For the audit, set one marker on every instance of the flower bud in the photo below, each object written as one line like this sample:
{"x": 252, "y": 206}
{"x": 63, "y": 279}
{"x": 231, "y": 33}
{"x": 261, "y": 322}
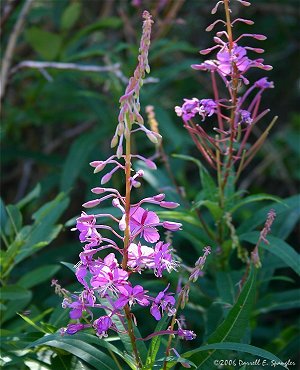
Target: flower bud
{"x": 173, "y": 226}
{"x": 152, "y": 137}
{"x": 150, "y": 164}
{"x": 119, "y": 151}
{"x": 169, "y": 205}
{"x": 114, "y": 141}
{"x": 106, "y": 178}
{"x": 97, "y": 190}
{"x": 91, "y": 203}
{"x": 159, "y": 197}
{"x": 95, "y": 163}
{"x": 99, "y": 167}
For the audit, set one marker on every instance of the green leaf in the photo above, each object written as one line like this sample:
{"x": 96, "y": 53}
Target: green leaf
{"x": 14, "y": 292}
{"x": 79, "y": 348}
{"x": 15, "y": 220}
{"x": 213, "y": 207}
{"x": 254, "y": 198}
{"x": 225, "y": 287}
{"x": 45, "y": 43}
{"x": 238, "y": 347}
{"x": 76, "y": 159}
{"x": 233, "y": 327}
{"x": 38, "y": 276}
{"x": 70, "y": 16}
{"x": 208, "y": 184}
{"x": 32, "y": 323}
{"x": 155, "y": 343}
{"x": 44, "y": 230}
{"x": 35, "y": 193}
{"x": 277, "y": 247}
{"x": 287, "y": 206}
{"x": 279, "y": 301}
{"x": 3, "y": 215}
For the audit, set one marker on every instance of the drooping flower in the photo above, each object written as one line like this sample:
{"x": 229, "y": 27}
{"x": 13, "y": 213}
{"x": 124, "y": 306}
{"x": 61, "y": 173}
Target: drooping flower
{"x": 189, "y": 109}
{"x": 163, "y": 259}
{"x": 102, "y": 325}
{"x": 164, "y": 302}
{"x": 246, "y": 117}
{"x": 186, "y": 334}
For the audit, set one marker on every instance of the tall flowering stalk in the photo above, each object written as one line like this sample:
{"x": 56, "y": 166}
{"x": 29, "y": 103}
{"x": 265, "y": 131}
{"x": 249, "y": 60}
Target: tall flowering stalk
{"x": 237, "y": 113}
{"x": 135, "y": 241}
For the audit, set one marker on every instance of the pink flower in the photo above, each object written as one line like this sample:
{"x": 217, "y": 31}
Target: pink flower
{"x": 130, "y": 295}
{"x": 140, "y": 256}
{"x": 142, "y": 222}
{"x": 108, "y": 279}
{"x": 163, "y": 303}
{"x": 102, "y": 325}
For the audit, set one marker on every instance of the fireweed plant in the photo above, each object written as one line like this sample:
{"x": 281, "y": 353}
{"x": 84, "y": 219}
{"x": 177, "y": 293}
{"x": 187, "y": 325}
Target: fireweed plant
{"x": 235, "y": 114}
{"x": 235, "y": 107}
{"x": 106, "y": 282}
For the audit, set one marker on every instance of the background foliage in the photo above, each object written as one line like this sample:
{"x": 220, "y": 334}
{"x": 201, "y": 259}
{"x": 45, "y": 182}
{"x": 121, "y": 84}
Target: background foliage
{"x": 54, "y": 122}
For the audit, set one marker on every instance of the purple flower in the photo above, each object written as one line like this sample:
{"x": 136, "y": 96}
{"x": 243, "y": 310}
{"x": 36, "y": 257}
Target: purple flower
{"x": 140, "y": 256}
{"x": 189, "y": 109}
{"x": 73, "y": 328}
{"x": 86, "y": 226}
{"x": 131, "y": 295}
{"x": 246, "y": 117}
{"x": 186, "y": 334}
{"x": 109, "y": 280}
{"x": 263, "y": 83}
{"x": 142, "y": 222}
{"x": 237, "y": 56}
{"x": 102, "y": 325}
{"x": 207, "y": 108}
{"x": 163, "y": 303}
{"x": 163, "y": 259}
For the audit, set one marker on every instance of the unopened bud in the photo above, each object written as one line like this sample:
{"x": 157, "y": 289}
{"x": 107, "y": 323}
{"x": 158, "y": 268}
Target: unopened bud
{"x": 169, "y": 205}
{"x": 173, "y": 226}
{"x": 119, "y": 151}
{"x": 95, "y": 163}
{"x": 114, "y": 141}
{"x": 97, "y": 190}
{"x": 106, "y": 178}
{"x": 159, "y": 197}
{"x": 91, "y": 203}
{"x": 99, "y": 167}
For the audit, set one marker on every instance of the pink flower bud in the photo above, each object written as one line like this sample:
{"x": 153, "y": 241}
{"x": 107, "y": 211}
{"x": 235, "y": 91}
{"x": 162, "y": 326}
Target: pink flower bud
{"x": 91, "y": 203}
{"x": 95, "y": 163}
{"x": 260, "y": 37}
{"x": 99, "y": 167}
{"x": 152, "y": 137}
{"x": 119, "y": 151}
{"x": 159, "y": 197}
{"x": 115, "y": 202}
{"x": 105, "y": 178}
{"x": 114, "y": 141}
{"x": 173, "y": 226}
{"x": 98, "y": 190}
{"x": 150, "y": 164}
{"x": 170, "y": 205}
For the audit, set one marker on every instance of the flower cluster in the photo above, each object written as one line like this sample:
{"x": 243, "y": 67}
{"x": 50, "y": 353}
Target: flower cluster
{"x": 234, "y": 114}
{"x": 132, "y": 238}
